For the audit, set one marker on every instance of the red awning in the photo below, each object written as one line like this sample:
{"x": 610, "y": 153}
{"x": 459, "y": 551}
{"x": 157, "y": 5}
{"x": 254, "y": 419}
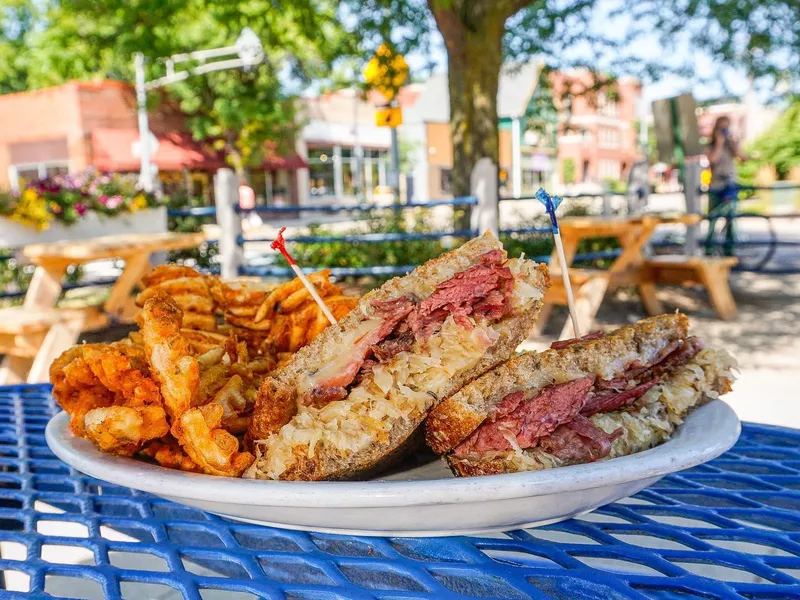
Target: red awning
{"x": 292, "y": 162}
{"x": 274, "y": 162}
{"x": 113, "y": 150}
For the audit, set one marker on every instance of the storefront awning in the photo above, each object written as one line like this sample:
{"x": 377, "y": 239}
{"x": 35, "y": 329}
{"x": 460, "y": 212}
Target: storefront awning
{"x": 116, "y": 150}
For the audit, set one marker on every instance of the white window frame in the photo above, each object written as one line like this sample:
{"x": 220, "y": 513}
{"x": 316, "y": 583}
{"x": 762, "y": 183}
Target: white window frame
{"x": 606, "y": 165}
{"x": 41, "y": 169}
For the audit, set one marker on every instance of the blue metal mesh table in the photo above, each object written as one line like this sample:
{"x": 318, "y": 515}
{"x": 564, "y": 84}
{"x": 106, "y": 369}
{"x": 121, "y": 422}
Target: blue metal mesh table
{"x": 726, "y": 529}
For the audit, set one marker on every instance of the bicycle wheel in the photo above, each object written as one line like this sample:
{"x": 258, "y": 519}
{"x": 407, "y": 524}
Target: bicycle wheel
{"x": 754, "y": 240}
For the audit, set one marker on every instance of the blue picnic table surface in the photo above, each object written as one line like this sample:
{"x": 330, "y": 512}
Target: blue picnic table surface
{"x": 726, "y": 529}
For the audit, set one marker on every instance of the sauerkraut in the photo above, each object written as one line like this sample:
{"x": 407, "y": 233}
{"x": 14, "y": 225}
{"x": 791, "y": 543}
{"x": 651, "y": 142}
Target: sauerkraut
{"x": 664, "y": 406}
{"x": 524, "y": 293}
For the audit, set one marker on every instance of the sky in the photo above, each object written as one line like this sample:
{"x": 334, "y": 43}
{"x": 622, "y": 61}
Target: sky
{"x": 711, "y": 80}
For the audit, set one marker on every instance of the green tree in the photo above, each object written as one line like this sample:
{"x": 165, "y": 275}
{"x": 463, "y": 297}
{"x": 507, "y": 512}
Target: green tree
{"x": 240, "y": 111}
{"x": 569, "y": 171}
{"x": 779, "y": 146}
{"x": 480, "y": 35}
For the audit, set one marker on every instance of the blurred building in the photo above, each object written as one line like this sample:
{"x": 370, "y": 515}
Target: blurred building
{"x": 749, "y": 117}
{"x": 551, "y": 132}
{"x": 71, "y": 127}
{"x": 346, "y": 152}
{"x": 597, "y": 133}
{"x": 527, "y": 143}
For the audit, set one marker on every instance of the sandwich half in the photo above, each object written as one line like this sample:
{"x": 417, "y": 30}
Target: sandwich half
{"x": 583, "y": 400}
{"x": 347, "y": 404}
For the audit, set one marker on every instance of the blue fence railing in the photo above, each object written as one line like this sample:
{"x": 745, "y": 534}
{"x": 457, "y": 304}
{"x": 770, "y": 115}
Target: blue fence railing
{"x": 271, "y": 270}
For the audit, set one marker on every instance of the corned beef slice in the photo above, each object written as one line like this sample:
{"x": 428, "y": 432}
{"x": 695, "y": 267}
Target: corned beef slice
{"x": 335, "y": 388}
{"x": 482, "y": 290}
{"x": 531, "y": 419}
{"x": 579, "y": 441}
{"x": 556, "y": 416}
{"x": 625, "y": 390}
{"x": 608, "y": 401}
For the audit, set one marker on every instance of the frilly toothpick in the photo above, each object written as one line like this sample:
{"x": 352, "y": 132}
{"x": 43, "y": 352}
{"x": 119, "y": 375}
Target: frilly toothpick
{"x": 551, "y": 203}
{"x": 280, "y": 245}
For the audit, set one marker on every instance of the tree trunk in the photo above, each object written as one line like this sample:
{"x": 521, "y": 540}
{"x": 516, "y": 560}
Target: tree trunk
{"x": 473, "y": 33}
{"x": 237, "y": 161}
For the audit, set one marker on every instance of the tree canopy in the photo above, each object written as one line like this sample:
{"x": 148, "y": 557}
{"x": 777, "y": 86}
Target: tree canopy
{"x": 48, "y": 41}
{"x": 79, "y": 39}
{"x": 779, "y": 145}
{"x": 758, "y": 36}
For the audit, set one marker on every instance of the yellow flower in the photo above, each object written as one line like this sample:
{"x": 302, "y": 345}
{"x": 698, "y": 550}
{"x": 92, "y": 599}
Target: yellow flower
{"x": 31, "y": 211}
{"x": 139, "y": 202}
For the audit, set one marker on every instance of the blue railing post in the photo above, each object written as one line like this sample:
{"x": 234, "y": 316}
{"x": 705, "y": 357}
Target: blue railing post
{"x": 226, "y": 197}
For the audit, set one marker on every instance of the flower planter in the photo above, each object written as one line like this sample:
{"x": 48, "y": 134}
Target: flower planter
{"x": 91, "y": 225}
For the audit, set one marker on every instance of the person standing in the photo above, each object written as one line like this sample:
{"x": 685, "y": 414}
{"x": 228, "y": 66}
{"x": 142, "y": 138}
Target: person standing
{"x": 723, "y": 151}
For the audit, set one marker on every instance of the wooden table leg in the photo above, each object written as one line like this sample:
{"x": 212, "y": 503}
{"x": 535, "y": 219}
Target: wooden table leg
{"x": 45, "y": 287}
{"x": 120, "y": 300}
{"x": 588, "y": 299}
{"x": 647, "y": 292}
{"x": 61, "y": 336}
{"x": 14, "y": 369}
{"x": 715, "y": 280}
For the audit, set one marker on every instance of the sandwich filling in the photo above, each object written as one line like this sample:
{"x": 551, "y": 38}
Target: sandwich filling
{"x": 483, "y": 292}
{"x": 400, "y": 360}
{"x": 557, "y": 418}
{"x": 649, "y": 421}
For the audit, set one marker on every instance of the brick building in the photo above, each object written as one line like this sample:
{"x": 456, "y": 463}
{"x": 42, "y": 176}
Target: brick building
{"x": 71, "y": 127}
{"x": 527, "y": 149}
{"x": 597, "y": 137}
{"x": 538, "y": 132}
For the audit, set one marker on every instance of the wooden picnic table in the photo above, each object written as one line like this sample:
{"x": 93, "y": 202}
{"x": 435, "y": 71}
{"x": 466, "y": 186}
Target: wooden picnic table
{"x": 32, "y": 335}
{"x": 627, "y": 269}
{"x": 135, "y": 249}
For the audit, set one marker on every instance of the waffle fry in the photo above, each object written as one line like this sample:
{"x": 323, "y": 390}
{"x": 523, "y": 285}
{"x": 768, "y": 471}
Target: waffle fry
{"x": 180, "y": 390}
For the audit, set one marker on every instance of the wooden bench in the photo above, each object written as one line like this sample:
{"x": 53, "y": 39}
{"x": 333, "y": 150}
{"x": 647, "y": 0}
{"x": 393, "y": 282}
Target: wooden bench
{"x": 31, "y": 339}
{"x": 710, "y": 272}
{"x": 588, "y": 286}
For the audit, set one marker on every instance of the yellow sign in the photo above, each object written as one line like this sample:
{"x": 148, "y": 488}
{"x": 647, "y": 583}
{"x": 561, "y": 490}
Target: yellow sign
{"x": 386, "y": 71}
{"x": 389, "y": 117}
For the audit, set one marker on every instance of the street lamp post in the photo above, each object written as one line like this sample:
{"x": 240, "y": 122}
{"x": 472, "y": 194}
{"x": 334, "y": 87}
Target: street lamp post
{"x": 249, "y": 52}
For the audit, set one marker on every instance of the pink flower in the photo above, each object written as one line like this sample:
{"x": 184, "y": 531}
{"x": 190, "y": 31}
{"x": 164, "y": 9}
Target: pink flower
{"x": 103, "y": 200}
{"x": 80, "y": 208}
{"x": 114, "y": 202}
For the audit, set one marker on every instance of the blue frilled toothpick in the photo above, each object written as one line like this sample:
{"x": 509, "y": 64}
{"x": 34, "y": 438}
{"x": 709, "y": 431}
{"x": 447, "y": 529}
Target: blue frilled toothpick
{"x": 551, "y": 203}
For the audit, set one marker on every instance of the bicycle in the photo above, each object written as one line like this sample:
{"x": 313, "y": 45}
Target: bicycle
{"x": 753, "y": 242}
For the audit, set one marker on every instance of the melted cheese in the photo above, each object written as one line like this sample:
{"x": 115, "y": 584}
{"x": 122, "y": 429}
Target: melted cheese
{"x": 340, "y": 362}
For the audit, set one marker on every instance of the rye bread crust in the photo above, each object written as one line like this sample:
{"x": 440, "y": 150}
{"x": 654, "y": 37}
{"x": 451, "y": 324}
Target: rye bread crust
{"x": 505, "y": 462}
{"x": 454, "y": 419}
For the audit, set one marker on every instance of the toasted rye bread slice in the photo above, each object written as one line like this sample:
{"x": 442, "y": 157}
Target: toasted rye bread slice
{"x": 328, "y": 462}
{"x": 655, "y": 420}
{"x": 278, "y": 396}
{"x": 454, "y": 419}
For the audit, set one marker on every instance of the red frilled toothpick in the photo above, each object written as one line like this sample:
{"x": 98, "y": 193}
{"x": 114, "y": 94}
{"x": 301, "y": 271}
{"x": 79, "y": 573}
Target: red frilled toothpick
{"x": 280, "y": 245}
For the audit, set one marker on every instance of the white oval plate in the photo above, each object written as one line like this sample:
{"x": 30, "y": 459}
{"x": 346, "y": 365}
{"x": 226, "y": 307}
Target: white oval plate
{"x": 417, "y": 501}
